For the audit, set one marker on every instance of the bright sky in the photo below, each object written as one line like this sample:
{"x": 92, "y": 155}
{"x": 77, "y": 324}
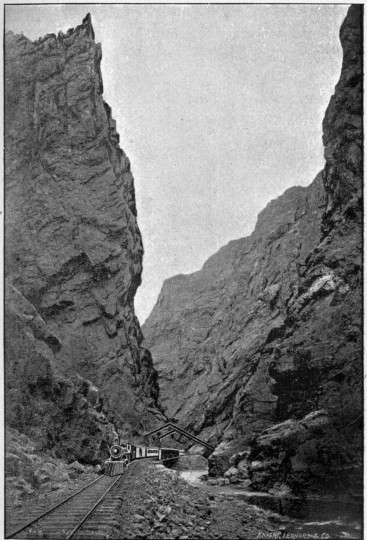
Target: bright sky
{"x": 219, "y": 108}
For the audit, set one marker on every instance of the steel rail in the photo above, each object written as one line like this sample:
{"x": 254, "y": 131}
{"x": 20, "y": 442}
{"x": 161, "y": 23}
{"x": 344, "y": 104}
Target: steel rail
{"x": 40, "y": 516}
{"x": 75, "y": 530}
{"x": 70, "y": 535}
{"x": 67, "y": 499}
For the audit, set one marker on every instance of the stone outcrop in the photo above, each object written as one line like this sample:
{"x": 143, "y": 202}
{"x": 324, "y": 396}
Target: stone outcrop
{"x": 270, "y": 329}
{"x": 63, "y": 415}
{"x": 300, "y": 454}
{"x": 28, "y": 470}
{"x": 74, "y": 360}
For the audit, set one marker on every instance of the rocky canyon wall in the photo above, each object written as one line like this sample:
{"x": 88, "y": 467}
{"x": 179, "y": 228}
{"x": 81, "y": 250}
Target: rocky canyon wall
{"x": 75, "y": 367}
{"x": 261, "y": 350}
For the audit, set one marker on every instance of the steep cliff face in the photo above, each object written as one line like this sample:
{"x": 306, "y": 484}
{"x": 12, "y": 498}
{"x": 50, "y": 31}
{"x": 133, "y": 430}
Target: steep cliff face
{"x": 269, "y": 331}
{"x": 73, "y": 246}
{"x": 210, "y": 331}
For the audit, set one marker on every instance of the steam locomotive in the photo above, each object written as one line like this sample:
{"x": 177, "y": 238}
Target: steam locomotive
{"x": 122, "y": 454}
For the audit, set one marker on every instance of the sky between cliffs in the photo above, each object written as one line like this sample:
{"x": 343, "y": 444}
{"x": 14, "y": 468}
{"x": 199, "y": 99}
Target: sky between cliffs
{"x": 219, "y": 109}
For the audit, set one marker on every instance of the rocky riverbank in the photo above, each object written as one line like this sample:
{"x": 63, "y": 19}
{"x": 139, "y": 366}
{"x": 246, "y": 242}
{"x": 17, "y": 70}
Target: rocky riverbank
{"x": 318, "y": 515}
{"x": 157, "y": 503}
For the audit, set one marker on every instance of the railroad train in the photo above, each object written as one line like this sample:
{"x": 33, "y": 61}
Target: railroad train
{"x": 122, "y": 454}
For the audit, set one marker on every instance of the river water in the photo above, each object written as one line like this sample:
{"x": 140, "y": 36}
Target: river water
{"x": 308, "y": 518}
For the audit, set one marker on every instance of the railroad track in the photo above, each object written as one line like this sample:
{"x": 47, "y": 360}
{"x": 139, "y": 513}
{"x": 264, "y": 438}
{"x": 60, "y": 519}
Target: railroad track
{"x": 85, "y": 514}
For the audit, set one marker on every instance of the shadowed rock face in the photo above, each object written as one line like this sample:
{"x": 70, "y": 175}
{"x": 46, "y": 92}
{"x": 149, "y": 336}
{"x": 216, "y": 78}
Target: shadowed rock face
{"x": 269, "y": 329}
{"x": 210, "y": 333}
{"x": 73, "y": 246}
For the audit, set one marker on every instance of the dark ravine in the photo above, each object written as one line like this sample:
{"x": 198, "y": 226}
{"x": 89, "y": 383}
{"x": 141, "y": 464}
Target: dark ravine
{"x": 261, "y": 350}
{"x": 75, "y": 366}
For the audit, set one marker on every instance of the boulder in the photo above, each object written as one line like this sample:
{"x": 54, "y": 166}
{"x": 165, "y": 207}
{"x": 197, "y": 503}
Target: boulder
{"x": 245, "y": 483}
{"x": 243, "y": 469}
{"x": 280, "y": 489}
{"x": 76, "y": 466}
{"x": 218, "y": 461}
{"x": 257, "y": 465}
{"x": 234, "y": 480}
{"x": 231, "y": 472}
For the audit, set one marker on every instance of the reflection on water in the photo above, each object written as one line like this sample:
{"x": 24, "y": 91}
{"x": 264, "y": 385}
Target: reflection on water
{"x": 311, "y": 518}
{"x": 317, "y": 518}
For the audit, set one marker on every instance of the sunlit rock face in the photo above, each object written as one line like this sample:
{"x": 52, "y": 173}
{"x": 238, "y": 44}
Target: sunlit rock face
{"x": 73, "y": 246}
{"x": 269, "y": 329}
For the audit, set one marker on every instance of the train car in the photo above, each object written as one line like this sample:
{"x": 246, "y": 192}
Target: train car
{"x": 141, "y": 452}
{"x": 152, "y": 452}
{"x": 169, "y": 455}
{"x": 118, "y": 460}
{"x": 117, "y": 451}
{"x": 114, "y": 468}
{"x": 122, "y": 454}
